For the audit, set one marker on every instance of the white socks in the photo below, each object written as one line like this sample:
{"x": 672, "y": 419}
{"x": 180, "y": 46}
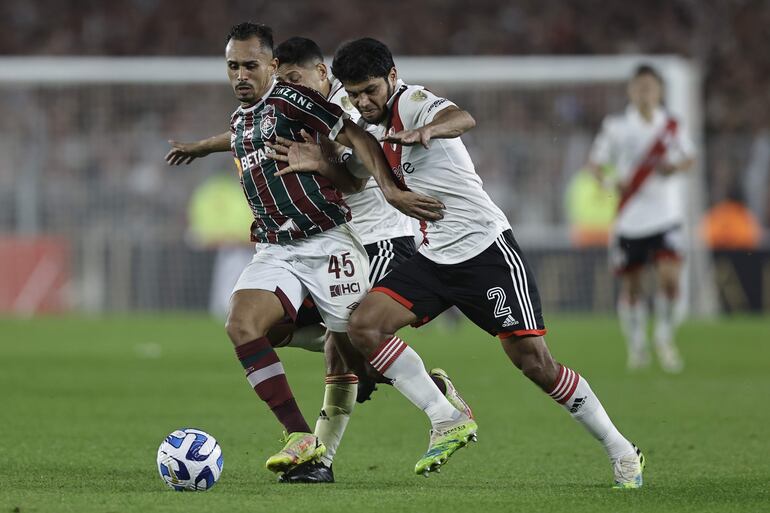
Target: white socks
{"x": 573, "y": 392}
{"x": 339, "y": 399}
{"x": 401, "y": 364}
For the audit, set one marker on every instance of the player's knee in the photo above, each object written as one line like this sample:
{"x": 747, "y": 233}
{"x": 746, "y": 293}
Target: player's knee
{"x": 634, "y": 293}
{"x": 358, "y": 325}
{"x": 241, "y": 329}
{"x": 670, "y": 288}
{"x": 533, "y": 368}
{"x": 363, "y": 328}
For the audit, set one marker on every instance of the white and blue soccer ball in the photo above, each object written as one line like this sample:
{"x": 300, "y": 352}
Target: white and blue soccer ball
{"x": 190, "y": 459}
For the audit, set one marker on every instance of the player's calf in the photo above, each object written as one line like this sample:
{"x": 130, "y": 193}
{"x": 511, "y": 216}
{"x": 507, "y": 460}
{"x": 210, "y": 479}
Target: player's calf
{"x": 532, "y": 357}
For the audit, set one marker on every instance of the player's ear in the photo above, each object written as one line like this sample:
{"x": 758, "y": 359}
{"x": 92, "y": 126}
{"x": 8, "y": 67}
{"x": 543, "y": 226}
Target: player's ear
{"x": 323, "y": 71}
{"x": 273, "y": 66}
{"x": 392, "y": 76}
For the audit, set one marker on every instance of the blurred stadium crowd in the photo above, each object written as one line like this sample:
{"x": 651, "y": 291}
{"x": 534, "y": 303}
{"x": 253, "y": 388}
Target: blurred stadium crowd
{"x": 725, "y": 37}
{"x": 91, "y": 157}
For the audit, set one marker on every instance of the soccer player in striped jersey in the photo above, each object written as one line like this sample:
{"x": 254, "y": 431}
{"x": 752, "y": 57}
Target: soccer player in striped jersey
{"x": 387, "y": 236}
{"x": 648, "y": 147}
{"x": 302, "y": 222}
{"x": 469, "y": 258}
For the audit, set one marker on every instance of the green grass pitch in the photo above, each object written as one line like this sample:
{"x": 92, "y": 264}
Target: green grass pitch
{"x": 85, "y": 404}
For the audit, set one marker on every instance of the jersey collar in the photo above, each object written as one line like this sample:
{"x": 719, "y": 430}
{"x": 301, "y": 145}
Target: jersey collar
{"x": 400, "y": 86}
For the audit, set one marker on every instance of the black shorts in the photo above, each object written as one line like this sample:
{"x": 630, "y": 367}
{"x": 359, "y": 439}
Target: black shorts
{"x": 628, "y": 254}
{"x": 495, "y": 289}
{"x": 384, "y": 256}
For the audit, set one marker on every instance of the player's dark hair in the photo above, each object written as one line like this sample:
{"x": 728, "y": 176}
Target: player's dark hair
{"x": 647, "y": 69}
{"x": 247, "y": 30}
{"x": 362, "y": 59}
{"x": 299, "y": 51}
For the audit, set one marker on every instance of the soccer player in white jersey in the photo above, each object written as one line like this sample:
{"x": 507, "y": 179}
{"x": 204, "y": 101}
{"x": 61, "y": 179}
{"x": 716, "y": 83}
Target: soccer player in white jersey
{"x": 469, "y": 258}
{"x": 648, "y": 147}
{"x": 387, "y": 236}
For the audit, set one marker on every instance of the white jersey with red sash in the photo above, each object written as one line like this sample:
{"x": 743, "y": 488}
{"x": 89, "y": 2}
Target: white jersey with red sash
{"x": 444, "y": 171}
{"x": 652, "y": 203}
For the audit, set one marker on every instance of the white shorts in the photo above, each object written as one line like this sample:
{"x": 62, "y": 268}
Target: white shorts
{"x": 331, "y": 266}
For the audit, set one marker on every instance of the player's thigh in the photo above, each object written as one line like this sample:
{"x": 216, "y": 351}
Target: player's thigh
{"x": 668, "y": 254}
{"x": 334, "y": 268}
{"x": 265, "y": 293}
{"x": 380, "y": 313}
{"x": 252, "y": 313}
{"x": 412, "y": 293}
{"x": 632, "y": 283}
{"x": 668, "y": 272}
{"x": 497, "y": 290}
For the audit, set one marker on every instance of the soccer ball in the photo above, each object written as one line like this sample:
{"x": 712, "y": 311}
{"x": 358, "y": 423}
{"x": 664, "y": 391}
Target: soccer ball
{"x": 190, "y": 459}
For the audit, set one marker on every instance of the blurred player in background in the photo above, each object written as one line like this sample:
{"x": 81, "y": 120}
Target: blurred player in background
{"x": 647, "y": 146}
{"x": 387, "y": 235}
{"x": 469, "y": 258}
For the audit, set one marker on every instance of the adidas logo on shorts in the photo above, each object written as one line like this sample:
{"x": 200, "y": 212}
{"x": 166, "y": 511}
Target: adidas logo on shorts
{"x": 509, "y": 321}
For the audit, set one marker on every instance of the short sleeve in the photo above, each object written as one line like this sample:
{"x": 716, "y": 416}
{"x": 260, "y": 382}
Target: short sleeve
{"x": 418, "y": 107}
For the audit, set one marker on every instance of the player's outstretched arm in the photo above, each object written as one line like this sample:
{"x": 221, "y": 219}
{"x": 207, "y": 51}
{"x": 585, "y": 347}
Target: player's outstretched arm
{"x": 184, "y": 153}
{"x": 309, "y": 156}
{"x": 369, "y": 152}
{"x": 449, "y": 123}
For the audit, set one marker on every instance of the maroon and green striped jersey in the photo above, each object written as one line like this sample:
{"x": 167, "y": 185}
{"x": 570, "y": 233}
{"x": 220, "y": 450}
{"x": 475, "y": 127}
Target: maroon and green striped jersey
{"x": 295, "y": 205}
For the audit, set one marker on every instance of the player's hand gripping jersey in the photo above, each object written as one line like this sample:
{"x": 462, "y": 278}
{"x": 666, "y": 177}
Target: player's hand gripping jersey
{"x": 626, "y": 141}
{"x": 471, "y": 221}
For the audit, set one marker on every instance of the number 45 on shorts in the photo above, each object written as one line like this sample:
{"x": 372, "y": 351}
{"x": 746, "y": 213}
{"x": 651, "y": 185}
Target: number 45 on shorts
{"x": 347, "y": 267}
{"x": 341, "y": 267}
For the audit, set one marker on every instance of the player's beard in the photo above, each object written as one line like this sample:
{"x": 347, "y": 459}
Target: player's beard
{"x": 384, "y": 110}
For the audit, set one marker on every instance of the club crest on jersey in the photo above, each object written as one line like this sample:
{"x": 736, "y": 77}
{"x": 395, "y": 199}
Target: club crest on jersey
{"x": 268, "y": 122}
{"x": 418, "y": 96}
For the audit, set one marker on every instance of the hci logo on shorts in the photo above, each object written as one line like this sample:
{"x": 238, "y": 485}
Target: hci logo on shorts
{"x": 344, "y": 289}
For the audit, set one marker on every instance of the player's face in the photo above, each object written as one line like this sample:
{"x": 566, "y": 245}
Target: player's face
{"x": 310, "y": 75}
{"x": 250, "y": 68}
{"x": 645, "y": 91}
{"x": 371, "y": 96}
